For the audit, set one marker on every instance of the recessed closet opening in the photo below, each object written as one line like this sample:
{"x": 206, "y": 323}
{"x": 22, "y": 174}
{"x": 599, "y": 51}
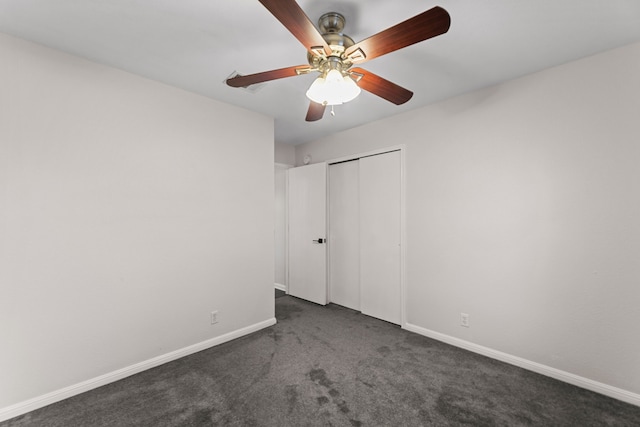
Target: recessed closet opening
{"x": 346, "y": 233}
{"x": 364, "y": 239}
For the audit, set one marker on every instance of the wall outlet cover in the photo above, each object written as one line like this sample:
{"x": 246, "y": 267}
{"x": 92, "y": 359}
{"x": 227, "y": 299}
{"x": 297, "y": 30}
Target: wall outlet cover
{"x": 464, "y": 320}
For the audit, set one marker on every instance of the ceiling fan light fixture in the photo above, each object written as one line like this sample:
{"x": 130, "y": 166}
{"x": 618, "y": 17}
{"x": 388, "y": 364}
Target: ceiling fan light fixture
{"x": 333, "y": 89}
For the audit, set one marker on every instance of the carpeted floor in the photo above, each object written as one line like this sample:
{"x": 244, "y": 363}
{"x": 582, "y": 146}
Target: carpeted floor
{"x": 331, "y": 366}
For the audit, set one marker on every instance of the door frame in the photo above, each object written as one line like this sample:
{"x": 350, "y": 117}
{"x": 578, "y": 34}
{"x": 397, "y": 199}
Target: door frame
{"x": 403, "y": 229}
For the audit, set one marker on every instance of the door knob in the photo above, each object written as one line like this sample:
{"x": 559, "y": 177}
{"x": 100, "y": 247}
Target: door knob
{"x": 320, "y": 240}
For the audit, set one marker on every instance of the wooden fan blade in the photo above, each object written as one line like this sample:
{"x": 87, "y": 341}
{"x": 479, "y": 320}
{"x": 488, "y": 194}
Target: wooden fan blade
{"x": 421, "y": 27}
{"x": 381, "y": 87}
{"x": 289, "y": 13}
{"x": 265, "y": 76}
{"x": 315, "y": 112}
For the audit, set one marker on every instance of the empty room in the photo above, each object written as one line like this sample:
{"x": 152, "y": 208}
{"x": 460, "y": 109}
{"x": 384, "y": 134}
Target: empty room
{"x": 287, "y": 213}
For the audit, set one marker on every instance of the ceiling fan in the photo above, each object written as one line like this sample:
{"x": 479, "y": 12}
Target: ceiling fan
{"x": 334, "y": 54}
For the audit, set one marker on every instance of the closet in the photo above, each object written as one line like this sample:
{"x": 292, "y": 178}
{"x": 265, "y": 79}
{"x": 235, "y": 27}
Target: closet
{"x": 364, "y": 241}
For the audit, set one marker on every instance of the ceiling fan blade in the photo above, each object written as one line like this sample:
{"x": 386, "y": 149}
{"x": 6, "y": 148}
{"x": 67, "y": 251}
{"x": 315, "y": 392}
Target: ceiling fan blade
{"x": 315, "y": 112}
{"x": 421, "y": 27}
{"x": 289, "y": 13}
{"x": 381, "y": 87}
{"x": 265, "y": 76}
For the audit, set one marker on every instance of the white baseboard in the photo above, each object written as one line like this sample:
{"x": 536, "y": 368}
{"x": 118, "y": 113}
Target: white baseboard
{"x": 281, "y": 287}
{"x": 58, "y": 395}
{"x": 607, "y": 390}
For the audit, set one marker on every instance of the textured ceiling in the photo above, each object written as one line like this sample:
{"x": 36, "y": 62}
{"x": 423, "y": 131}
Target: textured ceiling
{"x": 197, "y": 44}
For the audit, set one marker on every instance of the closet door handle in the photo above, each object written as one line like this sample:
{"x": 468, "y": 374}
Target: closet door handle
{"x": 320, "y": 240}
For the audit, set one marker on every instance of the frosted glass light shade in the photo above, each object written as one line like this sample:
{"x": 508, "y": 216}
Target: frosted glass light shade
{"x": 335, "y": 89}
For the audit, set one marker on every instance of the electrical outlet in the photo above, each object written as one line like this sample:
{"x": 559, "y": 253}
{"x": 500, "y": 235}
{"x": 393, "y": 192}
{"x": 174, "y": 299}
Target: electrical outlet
{"x": 464, "y": 320}
{"x": 214, "y": 317}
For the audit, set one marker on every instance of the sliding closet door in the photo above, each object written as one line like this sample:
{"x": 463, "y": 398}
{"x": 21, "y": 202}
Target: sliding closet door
{"x": 344, "y": 236}
{"x": 380, "y": 183}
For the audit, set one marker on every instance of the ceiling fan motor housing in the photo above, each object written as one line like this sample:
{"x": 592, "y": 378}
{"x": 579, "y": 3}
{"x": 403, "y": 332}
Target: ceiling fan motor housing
{"x": 331, "y": 25}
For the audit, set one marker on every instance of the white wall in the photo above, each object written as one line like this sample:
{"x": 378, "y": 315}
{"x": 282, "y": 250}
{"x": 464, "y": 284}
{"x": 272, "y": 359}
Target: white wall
{"x": 523, "y": 207}
{"x": 129, "y": 210}
{"x": 280, "y": 232}
{"x": 285, "y": 157}
{"x": 285, "y": 153}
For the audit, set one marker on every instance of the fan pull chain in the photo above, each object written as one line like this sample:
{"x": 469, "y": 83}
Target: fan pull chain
{"x": 333, "y": 113}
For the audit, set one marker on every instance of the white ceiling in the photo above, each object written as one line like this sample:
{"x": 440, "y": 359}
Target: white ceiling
{"x": 197, "y": 44}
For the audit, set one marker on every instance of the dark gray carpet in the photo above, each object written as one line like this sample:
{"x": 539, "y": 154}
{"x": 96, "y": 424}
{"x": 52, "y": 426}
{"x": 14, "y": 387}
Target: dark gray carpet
{"x": 330, "y": 366}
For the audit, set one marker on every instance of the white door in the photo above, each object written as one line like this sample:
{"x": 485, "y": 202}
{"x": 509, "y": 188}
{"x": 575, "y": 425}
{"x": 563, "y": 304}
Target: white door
{"x": 344, "y": 236}
{"x": 307, "y": 232}
{"x": 380, "y": 231}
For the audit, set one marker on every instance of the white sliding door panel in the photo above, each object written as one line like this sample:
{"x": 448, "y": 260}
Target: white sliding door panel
{"x": 344, "y": 240}
{"x": 307, "y": 224}
{"x": 380, "y": 231}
